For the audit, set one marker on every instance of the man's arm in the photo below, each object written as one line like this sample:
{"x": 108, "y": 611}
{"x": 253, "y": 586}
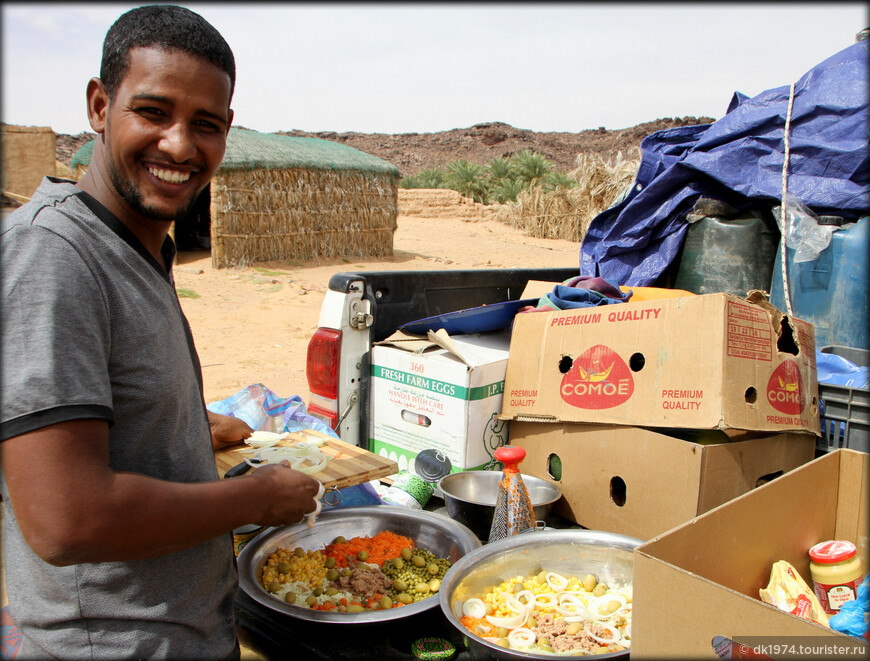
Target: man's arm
{"x": 73, "y": 508}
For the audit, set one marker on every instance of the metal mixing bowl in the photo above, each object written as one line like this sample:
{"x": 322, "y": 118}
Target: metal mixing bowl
{"x": 436, "y": 533}
{"x": 608, "y": 556}
{"x": 470, "y": 497}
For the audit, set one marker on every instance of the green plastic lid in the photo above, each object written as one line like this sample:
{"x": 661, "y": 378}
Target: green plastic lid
{"x": 432, "y": 649}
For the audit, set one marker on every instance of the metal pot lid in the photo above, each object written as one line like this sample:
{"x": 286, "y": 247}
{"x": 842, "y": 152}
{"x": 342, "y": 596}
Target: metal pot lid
{"x": 432, "y": 465}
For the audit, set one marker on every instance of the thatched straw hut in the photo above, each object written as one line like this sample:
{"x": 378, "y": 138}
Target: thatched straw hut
{"x": 278, "y": 197}
{"x": 26, "y": 156}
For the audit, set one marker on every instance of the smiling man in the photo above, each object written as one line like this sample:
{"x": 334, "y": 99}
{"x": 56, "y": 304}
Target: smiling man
{"x": 117, "y": 531}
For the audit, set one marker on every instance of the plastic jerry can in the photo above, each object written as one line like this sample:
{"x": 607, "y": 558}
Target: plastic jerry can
{"x": 831, "y": 291}
{"x": 731, "y": 255}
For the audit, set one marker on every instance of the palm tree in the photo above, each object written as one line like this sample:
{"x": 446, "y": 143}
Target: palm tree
{"x": 468, "y": 179}
{"x": 531, "y": 166}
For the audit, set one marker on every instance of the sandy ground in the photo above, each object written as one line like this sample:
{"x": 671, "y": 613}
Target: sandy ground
{"x": 252, "y": 325}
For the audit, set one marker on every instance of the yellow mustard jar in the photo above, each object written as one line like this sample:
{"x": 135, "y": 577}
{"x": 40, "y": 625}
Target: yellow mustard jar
{"x": 836, "y": 571}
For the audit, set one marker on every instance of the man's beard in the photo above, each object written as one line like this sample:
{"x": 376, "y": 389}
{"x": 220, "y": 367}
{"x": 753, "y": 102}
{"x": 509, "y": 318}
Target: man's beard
{"x": 133, "y": 197}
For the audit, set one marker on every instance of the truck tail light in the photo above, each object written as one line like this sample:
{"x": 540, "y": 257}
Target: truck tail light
{"x": 321, "y": 366}
{"x": 329, "y": 417}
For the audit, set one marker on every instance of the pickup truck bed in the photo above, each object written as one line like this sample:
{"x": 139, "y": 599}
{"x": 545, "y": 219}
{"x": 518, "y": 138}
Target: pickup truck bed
{"x": 362, "y": 308}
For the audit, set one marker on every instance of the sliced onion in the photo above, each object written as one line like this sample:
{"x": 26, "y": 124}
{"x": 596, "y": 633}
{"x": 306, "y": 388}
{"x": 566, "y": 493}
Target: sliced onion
{"x": 528, "y": 595}
{"x": 557, "y": 582}
{"x": 509, "y": 622}
{"x": 521, "y": 637}
{"x": 577, "y": 607}
{"x": 546, "y": 600}
{"x": 474, "y": 607}
{"x": 617, "y": 637}
{"x": 513, "y": 602}
{"x": 262, "y": 439}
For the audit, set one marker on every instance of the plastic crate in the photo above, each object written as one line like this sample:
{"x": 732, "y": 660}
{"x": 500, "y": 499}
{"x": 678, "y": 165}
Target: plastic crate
{"x": 845, "y": 412}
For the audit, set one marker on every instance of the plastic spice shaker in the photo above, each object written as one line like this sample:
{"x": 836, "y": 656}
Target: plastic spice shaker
{"x": 513, "y": 508}
{"x": 836, "y": 572}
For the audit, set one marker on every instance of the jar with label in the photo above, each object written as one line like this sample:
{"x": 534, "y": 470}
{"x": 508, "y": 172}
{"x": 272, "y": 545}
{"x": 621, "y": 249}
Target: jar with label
{"x": 245, "y": 534}
{"x": 836, "y": 571}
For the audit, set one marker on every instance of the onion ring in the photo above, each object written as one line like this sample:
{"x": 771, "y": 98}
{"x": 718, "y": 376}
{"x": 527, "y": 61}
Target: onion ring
{"x": 521, "y": 637}
{"x": 474, "y": 607}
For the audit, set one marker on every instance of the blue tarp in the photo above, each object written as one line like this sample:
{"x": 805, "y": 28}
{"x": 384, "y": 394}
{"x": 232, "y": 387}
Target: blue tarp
{"x": 738, "y": 159}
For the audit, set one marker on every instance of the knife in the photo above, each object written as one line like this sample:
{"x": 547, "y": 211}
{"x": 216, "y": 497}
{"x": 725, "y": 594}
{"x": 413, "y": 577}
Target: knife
{"x": 241, "y": 469}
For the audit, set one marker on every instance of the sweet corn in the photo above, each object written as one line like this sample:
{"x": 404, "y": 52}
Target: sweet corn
{"x": 308, "y": 567}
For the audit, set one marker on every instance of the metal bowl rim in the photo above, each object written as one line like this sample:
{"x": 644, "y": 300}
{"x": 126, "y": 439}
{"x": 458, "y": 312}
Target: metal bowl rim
{"x": 533, "y": 480}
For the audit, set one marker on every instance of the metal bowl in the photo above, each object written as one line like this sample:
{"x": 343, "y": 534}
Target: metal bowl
{"x": 608, "y": 556}
{"x": 470, "y": 497}
{"x": 434, "y": 532}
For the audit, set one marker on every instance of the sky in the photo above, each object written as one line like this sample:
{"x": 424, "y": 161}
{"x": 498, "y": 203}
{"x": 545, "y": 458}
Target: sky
{"x": 428, "y": 67}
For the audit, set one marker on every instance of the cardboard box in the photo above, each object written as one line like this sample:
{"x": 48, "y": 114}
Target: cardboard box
{"x": 715, "y": 361}
{"x": 439, "y": 392}
{"x": 701, "y": 580}
{"x": 639, "y": 482}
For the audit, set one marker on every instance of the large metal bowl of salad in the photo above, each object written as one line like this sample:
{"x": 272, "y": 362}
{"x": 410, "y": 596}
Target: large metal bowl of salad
{"x": 539, "y": 594}
{"x": 357, "y": 565}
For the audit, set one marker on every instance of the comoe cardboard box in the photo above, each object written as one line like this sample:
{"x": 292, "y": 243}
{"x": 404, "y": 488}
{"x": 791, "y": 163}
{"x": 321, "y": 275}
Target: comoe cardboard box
{"x": 700, "y": 581}
{"x": 641, "y": 482}
{"x": 715, "y": 361}
{"x": 442, "y": 392}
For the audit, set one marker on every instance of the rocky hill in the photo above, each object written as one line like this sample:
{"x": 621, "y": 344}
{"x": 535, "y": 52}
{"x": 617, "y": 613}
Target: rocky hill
{"x": 413, "y": 152}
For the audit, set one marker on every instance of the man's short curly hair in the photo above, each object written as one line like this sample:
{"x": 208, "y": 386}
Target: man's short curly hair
{"x": 167, "y": 27}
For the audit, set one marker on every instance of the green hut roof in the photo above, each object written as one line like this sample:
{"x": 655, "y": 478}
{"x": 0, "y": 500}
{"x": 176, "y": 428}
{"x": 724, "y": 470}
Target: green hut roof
{"x": 252, "y": 150}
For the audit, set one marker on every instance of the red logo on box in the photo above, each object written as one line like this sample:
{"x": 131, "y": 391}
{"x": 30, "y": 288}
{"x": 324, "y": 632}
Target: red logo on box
{"x": 785, "y": 390}
{"x": 598, "y": 379}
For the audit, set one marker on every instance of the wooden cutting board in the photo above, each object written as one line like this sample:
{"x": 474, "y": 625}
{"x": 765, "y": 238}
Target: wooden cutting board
{"x": 348, "y": 464}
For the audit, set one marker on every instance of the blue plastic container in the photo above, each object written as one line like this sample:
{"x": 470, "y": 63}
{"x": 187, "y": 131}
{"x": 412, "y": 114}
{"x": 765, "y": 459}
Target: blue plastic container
{"x": 831, "y": 292}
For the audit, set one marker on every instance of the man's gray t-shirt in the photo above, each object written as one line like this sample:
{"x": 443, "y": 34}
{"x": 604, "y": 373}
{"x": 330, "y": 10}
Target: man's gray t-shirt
{"x": 91, "y": 328}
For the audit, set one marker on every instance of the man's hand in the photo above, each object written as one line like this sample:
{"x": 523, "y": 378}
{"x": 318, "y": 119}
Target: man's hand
{"x": 227, "y": 430}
